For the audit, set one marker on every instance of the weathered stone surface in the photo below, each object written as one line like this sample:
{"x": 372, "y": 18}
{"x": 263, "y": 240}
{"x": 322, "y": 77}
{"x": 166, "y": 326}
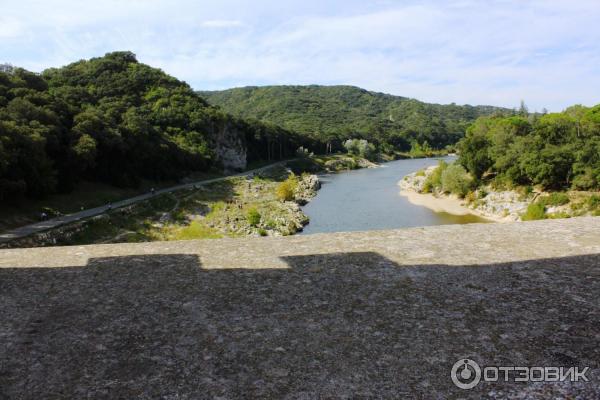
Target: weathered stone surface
{"x": 230, "y": 147}
{"x": 380, "y": 314}
{"x": 308, "y": 185}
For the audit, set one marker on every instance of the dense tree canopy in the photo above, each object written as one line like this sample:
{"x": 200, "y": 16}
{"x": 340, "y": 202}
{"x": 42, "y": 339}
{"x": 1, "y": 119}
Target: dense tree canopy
{"x": 114, "y": 120}
{"x": 337, "y": 113}
{"x": 559, "y": 150}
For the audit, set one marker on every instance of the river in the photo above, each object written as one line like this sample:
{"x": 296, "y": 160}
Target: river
{"x": 368, "y": 199}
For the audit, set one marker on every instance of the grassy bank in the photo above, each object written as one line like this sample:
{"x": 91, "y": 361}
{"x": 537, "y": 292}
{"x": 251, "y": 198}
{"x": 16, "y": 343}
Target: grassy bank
{"x": 232, "y": 208}
{"x": 266, "y": 204}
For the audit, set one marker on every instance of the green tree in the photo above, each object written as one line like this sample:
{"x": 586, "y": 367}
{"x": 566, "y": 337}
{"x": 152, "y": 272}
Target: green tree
{"x": 85, "y": 149}
{"x": 474, "y": 153}
{"x": 523, "y": 110}
{"x": 456, "y": 180}
{"x": 556, "y": 151}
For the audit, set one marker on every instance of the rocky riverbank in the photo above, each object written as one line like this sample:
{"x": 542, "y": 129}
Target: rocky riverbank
{"x": 500, "y": 205}
{"x": 237, "y": 207}
{"x": 346, "y": 163}
{"x": 495, "y": 206}
{"x": 342, "y": 162}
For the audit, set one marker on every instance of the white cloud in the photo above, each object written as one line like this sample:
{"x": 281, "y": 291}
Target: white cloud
{"x": 9, "y": 28}
{"x": 498, "y": 52}
{"x": 221, "y": 23}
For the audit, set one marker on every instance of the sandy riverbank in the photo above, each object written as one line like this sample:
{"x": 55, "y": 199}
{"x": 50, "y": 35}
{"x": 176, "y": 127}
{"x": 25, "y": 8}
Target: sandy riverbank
{"x": 450, "y": 205}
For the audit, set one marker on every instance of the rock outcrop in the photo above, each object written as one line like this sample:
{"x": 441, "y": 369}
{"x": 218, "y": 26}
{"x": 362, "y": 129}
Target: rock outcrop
{"x": 230, "y": 147}
{"x": 499, "y": 205}
{"x": 308, "y": 186}
{"x": 414, "y": 182}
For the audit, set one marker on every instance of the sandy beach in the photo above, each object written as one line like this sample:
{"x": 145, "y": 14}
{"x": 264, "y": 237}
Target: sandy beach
{"x": 450, "y": 205}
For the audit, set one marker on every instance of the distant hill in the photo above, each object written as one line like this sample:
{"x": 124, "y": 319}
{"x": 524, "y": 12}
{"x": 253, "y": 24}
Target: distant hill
{"x": 340, "y": 112}
{"x": 112, "y": 119}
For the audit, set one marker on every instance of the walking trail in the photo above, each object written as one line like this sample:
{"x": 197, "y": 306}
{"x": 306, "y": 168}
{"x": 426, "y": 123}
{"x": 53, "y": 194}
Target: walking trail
{"x": 31, "y": 229}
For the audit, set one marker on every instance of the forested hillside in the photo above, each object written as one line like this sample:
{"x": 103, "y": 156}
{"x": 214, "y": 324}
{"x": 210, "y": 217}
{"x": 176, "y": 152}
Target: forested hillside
{"x": 114, "y": 120}
{"x": 555, "y": 151}
{"x": 336, "y": 113}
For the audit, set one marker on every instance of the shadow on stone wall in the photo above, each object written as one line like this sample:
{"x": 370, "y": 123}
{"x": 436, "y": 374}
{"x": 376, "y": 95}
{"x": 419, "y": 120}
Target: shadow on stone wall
{"x": 345, "y": 325}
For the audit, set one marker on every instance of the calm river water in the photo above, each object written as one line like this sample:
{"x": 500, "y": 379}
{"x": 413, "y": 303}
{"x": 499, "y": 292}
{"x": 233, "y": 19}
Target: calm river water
{"x": 368, "y": 199}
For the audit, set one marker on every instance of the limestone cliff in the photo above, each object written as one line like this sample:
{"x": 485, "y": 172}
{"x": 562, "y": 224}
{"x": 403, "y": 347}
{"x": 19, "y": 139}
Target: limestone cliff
{"x": 230, "y": 146}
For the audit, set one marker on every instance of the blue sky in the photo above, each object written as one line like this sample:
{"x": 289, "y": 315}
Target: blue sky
{"x": 496, "y": 52}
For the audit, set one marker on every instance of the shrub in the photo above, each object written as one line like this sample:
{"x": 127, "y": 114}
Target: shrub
{"x": 351, "y": 146}
{"x": 360, "y": 147}
{"x": 418, "y": 150}
{"x": 534, "y": 211}
{"x": 498, "y": 182}
{"x": 524, "y": 192}
{"x": 555, "y": 199}
{"x": 262, "y": 232}
{"x": 434, "y": 180}
{"x": 302, "y": 152}
{"x": 558, "y": 215}
{"x": 455, "y": 179}
{"x": 585, "y": 181}
{"x": 471, "y": 197}
{"x": 593, "y": 202}
{"x": 368, "y": 151}
{"x": 341, "y": 164}
{"x": 253, "y": 217}
{"x": 286, "y": 190}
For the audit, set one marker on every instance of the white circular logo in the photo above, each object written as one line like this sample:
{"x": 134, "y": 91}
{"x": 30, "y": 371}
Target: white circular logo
{"x": 466, "y": 373}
